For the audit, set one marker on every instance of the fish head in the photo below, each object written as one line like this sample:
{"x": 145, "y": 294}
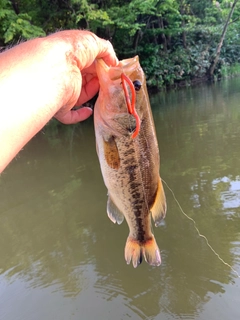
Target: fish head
{"x": 111, "y": 107}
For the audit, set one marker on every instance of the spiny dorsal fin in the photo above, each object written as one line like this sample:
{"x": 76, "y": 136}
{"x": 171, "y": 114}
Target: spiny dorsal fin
{"x": 111, "y": 153}
{"x": 159, "y": 206}
{"x": 114, "y": 214}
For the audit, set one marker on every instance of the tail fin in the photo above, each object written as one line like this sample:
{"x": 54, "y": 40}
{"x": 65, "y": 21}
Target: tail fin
{"x": 134, "y": 250}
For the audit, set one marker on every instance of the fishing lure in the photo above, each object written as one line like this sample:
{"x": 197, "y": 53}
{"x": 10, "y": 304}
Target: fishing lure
{"x": 131, "y": 104}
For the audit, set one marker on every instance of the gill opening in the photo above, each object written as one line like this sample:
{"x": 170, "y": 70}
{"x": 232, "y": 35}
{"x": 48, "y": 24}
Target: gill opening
{"x": 131, "y": 104}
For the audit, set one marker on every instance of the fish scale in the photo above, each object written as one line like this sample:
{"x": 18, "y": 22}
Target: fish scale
{"x": 130, "y": 164}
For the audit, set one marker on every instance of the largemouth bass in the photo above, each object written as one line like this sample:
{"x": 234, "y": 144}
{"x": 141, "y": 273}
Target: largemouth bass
{"x": 128, "y": 153}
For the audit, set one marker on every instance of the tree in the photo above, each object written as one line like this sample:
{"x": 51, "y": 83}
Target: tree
{"x": 16, "y": 25}
{"x": 218, "y": 50}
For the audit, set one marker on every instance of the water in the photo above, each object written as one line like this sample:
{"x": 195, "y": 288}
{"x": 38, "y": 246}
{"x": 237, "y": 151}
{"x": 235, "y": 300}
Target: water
{"x": 62, "y": 258}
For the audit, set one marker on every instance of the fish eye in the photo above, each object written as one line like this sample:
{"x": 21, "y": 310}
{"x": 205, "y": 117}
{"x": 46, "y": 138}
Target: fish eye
{"x": 137, "y": 85}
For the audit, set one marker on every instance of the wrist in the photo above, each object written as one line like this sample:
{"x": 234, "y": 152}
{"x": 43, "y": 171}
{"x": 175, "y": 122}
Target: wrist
{"x": 60, "y": 72}
{"x": 35, "y": 83}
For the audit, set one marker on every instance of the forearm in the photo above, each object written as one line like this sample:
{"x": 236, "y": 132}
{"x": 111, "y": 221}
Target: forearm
{"x": 33, "y": 79}
{"x": 46, "y": 77}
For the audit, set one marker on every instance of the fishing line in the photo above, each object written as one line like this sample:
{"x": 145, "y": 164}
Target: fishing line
{"x": 198, "y": 232}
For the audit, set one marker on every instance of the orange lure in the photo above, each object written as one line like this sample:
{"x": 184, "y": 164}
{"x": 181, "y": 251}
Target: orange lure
{"x": 131, "y": 104}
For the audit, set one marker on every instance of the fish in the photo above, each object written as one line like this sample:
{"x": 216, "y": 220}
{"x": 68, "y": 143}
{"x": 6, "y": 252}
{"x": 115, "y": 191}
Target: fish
{"x": 129, "y": 158}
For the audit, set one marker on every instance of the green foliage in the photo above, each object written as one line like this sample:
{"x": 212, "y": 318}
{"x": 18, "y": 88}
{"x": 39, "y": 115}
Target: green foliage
{"x": 228, "y": 71}
{"x": 167, "y": 69}
{"x": 175, "y": 39}
{"x": 91, "y": 13}
{"x": 16, "y": 26}
{"x": 213, "y": 16}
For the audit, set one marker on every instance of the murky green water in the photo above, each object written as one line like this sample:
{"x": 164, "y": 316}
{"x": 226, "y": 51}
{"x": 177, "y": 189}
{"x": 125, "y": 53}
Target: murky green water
{"x": 62, "y": 258}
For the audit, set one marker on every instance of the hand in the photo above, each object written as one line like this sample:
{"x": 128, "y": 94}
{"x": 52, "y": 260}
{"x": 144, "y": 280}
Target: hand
{"x": 47, "y": 77}
{"x": 82, "y": 81}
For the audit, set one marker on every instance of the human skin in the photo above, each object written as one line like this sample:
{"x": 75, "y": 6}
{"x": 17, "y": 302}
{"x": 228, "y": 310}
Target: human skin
{"x": 44, "y": 78}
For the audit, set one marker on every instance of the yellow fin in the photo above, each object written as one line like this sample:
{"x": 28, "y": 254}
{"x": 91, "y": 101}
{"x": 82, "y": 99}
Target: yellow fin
{"x": 135, "y": 251}
{"x": 159, "y": 207}
{"x": 114, "y": 214}
{"x": 111, "y": 153}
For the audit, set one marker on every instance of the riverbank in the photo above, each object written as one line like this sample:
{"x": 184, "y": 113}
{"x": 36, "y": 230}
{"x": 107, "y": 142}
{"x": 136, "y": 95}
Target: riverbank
{"x": 226, "y": 71}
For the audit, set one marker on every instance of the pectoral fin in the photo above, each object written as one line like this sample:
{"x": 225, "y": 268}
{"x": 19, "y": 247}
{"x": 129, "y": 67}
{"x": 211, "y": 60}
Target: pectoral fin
{"x": 159, "y": 207}
{"x": 114, "y": 214}
{"x": 111, "y": 153}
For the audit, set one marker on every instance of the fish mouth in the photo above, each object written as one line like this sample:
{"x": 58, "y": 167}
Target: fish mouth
{"x": 126, "y": 66}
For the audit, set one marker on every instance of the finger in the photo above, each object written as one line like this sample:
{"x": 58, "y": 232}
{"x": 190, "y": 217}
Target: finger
{"x": 74, "y": 116}
{"x": 89, "y": 47}
{"x": 107, "y": 53}
{"x": 99, "y": 48}
{"x": 89, "y": 90}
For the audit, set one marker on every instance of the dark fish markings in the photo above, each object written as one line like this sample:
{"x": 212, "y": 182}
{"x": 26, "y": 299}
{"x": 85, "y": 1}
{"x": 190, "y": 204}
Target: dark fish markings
{"x": 137, "y": 203}
{"x": 132, "y": 171}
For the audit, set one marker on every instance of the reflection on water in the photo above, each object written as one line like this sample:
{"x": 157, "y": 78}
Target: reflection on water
{"x": 62, "y": 258}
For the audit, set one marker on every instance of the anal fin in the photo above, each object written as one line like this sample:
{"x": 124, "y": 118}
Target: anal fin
{"x": 114, "y": 214}
{"x": 159, "y": 206}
